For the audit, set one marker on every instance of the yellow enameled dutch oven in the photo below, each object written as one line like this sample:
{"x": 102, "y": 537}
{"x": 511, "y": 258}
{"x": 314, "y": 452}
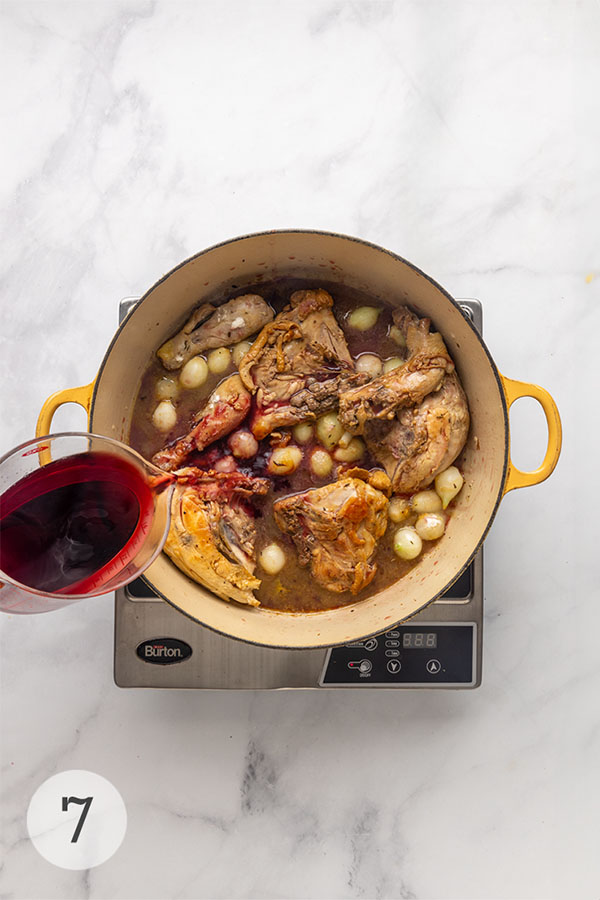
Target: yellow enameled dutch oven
{"x": 320, "y": 256}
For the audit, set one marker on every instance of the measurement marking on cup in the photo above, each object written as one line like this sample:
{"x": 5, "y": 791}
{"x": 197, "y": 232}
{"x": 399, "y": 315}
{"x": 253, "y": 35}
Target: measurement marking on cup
{"x": 86, "y": 802}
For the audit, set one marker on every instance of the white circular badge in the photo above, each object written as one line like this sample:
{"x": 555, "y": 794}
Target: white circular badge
{"x": 77, "y": 819}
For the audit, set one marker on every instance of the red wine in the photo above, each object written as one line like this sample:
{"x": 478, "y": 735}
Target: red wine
{"x": 71, "y": 525}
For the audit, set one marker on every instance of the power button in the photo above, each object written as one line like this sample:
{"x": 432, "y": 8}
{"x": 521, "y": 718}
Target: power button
{"x": 364, "y": 666}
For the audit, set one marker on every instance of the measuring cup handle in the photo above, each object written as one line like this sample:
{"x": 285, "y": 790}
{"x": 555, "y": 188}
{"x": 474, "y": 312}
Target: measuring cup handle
{"x": 513, "y": 390}
{"x": 80, "y": 395}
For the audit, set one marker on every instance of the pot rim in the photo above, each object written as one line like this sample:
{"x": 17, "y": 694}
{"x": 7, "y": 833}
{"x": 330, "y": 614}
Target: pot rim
{"x": 432, "y": 281}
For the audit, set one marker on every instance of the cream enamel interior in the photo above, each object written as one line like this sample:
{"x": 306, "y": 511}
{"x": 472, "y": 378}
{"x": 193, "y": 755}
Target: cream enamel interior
{"x": 329, "y": 257}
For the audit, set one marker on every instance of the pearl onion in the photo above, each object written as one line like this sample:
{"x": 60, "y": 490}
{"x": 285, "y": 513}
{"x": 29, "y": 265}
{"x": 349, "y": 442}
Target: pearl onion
{"x": 284, "y": 460}
{"x": 426, "y": 502}
{"x": 302, "y": 432}
{"x": 430, "y": 526}
{"x": 392, "y": 363}
{"x": 239, "y": 351}
{"x": 243, "y": 444}
{"x": 321, "y": 463}
{"x": 407, "y": 543}
{"x": 363, "y": 318}
{"x": 194, "y": 373}
{"x": 166, "y": 388}
{"x": 225, "y": 464}
{"x": 397, "y": 336}
{"x": 370, "y": 364}
{"x": 272, "y": 559}
{"x": 219, "y": 360}
{"x": 329, "y": 430}
{"x": 345, "y": 440}
{"x": 353, "y": 452}
{"x": 164, "y": 416}
{"x": 448, "y": 483}
{"x": 399, "y": 509}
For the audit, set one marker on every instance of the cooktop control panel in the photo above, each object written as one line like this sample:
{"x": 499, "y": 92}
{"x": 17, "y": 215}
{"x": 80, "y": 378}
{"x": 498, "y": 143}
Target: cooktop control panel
{"x": 427, "y": 654}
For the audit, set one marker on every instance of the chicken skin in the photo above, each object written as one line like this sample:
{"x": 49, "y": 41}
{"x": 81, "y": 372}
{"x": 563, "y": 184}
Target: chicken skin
{"x": 212, "y": 533}
{"x": 423, "y": 440}
{"x": 215, "y": 326}
{"x": 297, "y": 365}
{"x": 427, "y": 363}
{"x": 414, "y": 419}
{"x": 335, "y": 529}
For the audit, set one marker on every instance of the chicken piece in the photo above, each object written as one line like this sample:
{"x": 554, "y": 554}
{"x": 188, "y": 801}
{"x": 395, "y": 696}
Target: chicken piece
{"x": 414, "y": 419}
{"x": 423, "y": 440}
{"x": 298, "y": 364}
{"x": 427, "y": 363}
{"x": 375, "y": 477}
{"x": 225, "y": 409}
{"x": 335, "y": 529}
{"x": 212, "y": 535}
{"x": 216, "y": 326}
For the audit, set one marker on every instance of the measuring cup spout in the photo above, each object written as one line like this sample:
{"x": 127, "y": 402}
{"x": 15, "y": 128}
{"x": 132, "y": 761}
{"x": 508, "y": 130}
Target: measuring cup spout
{"x": 159, "y": 481}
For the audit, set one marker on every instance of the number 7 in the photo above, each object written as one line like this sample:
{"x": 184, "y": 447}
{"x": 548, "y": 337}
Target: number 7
{"x": 86, "y": 802}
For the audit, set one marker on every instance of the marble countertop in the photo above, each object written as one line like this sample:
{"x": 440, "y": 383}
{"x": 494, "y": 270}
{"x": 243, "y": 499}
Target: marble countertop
{"x": 463, "y": 136}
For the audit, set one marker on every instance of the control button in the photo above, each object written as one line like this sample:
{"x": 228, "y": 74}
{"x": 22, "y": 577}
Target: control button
{"x": 363, "y": 665}
{"x": 392, "y": 634}
{"x": 433, "y": 666}
{"x": 392, "y": 643}
{"x": 370, "y": 644}
{"x": 392, "y": 653}
{"x": 394, "y": 666}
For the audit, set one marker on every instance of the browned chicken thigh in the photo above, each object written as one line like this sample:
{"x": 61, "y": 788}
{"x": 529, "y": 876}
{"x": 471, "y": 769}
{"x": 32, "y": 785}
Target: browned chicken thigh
{"x": 424, "y": 439}
{"x": 298, "y": 364}
{"x": 414, "y": 419}
{"x": 335, "y": 529}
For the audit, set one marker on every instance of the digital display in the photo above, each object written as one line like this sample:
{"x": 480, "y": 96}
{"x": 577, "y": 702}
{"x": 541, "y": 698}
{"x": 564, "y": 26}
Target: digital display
{"x": 419, "y": 640}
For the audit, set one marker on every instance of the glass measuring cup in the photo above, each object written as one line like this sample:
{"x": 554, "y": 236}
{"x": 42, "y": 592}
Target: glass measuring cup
{"x": 80, "y": 515}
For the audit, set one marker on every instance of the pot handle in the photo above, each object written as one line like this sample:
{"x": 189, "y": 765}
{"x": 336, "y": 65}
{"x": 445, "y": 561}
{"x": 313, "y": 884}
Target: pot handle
{"x": 80, "y": 395}
{"x": 513, "y": 390}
